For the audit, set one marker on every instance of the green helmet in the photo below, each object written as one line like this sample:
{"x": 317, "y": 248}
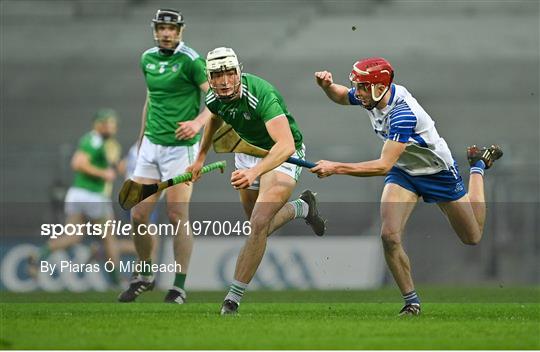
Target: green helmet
{"x": 104, "y": 114}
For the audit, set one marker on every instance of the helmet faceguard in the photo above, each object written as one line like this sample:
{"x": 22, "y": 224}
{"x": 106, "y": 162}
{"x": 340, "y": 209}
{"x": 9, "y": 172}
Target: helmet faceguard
{"x": 166, "y": 16}
{"x": 222, "y": 60}
{"x": 367, "y": 73}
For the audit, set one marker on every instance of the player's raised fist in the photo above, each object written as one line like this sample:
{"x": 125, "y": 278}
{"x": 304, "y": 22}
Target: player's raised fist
{"x": 324, "y": 79}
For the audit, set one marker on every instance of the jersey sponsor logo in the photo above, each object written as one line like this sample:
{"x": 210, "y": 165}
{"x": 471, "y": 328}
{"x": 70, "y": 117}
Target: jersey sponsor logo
{"x": 230, "y": 113}
{"x": 162, "y": 65}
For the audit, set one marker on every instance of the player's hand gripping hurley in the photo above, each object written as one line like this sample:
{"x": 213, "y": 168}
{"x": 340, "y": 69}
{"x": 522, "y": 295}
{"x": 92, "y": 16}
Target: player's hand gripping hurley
{"x": 226, "y": 140}
{"x": 132, "y": 193}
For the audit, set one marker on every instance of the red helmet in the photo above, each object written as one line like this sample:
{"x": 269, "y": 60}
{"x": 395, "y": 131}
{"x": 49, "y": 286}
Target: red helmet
{"x": 372, "y": 71}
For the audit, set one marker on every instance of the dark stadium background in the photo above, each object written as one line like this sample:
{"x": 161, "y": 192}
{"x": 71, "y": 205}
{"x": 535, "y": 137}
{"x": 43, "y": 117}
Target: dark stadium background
{"x": 473, "y": 65}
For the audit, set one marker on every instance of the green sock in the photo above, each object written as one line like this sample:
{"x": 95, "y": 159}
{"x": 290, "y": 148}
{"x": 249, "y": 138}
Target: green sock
{"x": 179, "y": 280}
{"x": 115, "y": 278}
{"x": 146, "y": 265}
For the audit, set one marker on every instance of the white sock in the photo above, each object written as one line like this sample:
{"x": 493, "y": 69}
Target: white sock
{"x": 236, "y": 291}
{"x": 301, "y": 208}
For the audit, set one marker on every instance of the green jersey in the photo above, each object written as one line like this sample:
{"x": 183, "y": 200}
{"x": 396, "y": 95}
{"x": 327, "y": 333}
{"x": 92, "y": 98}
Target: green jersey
{"x": 174, "y": 93}
{"x": 92, "y": 145}
{"x": 259, "y": 103}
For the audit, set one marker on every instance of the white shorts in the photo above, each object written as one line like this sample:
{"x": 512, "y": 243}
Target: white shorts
{"x": 92, "y": 205}
{"x": 244, "y": 161}
{"x": 161, "y": 162}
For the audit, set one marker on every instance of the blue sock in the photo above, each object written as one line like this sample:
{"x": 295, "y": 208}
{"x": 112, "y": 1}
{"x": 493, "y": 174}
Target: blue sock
{"x": 411, "y": 298}
{"x": 478, "y": 167}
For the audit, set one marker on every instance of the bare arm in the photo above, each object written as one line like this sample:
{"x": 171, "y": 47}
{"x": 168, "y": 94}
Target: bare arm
{"x": 390, "y": 154}
{"x": 337, "y": 93}
{"x": 122, "y": 167}
{"x": 204, "y": 116}
{"x": 211, "y": 127}
{"x": 279, "y": 130}
{"x": 81, "y": 162}
{"x": 143, "y": 123}
{"x": 214, "y": 123}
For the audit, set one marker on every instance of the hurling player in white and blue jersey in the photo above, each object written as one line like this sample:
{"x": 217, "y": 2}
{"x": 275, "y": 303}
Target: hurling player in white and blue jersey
{"x": 416, "y": 162}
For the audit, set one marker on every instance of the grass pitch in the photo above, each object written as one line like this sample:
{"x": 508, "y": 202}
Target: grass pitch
{"x": 453, "y": 318}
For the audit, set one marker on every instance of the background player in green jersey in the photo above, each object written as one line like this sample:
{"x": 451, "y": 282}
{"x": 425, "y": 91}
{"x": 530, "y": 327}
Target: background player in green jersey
{"x": 175, "y": 76}
{"x": 89, "y": 198}
{"x": 257, "y": 112}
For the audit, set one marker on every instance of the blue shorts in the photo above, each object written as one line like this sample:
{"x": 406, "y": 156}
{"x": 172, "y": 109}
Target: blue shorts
{"x": 444, "y": 186}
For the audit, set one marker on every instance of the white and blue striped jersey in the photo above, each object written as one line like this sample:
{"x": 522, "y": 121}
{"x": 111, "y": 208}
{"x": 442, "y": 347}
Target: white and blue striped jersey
{"x": 404, "y": 120}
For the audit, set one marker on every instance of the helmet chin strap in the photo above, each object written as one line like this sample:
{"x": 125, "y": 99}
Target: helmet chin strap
{"x": 373, "y": 93}
{"x": 376, "y": 100}
{"x": 167, "y": 51}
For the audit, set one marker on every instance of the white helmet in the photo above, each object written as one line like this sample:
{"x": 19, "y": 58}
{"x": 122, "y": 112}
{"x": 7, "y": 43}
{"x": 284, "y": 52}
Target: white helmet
{"x": 223, "y": 59}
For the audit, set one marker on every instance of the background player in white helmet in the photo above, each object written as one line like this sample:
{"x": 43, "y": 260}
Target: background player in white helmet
{"x": 175, "y": 75}
{"x": 416, "y": 161}
{"x": 258, "y": 113}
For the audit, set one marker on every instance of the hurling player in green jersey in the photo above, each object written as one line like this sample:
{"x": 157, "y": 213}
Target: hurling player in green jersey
{"x": 257, "y": 112}
{"x": 175, "y": 76}
{"x": 88, "y": 200}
